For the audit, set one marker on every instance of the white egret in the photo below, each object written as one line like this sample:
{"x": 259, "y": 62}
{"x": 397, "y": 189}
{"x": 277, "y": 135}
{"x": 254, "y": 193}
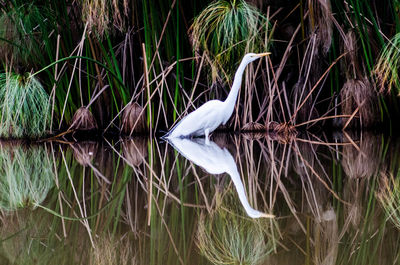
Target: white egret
{"x": 215, "y": 160}
{"x": 213, "y": 113}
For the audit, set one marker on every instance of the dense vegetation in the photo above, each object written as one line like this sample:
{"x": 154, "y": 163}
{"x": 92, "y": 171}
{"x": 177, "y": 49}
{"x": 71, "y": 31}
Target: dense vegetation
{"x": 146, "y": 63}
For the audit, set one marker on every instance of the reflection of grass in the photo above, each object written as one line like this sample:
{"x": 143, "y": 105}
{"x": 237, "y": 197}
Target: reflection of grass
{"x": 110, "y": 250}
{"x": 24, "y": 106}
{"x": 33, "y": 237}
{"x": 26, "y": 176}
{"x": 228, "y": 238}
{"x": 389, "y": 196}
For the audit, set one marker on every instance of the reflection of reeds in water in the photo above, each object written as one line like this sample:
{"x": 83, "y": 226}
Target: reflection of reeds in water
{"x": 135, "y": 150}
{"x": 84, "y": 152}
{"x": 110, "y": 250}
{"x": 26, "y": 176}
{"x": 315, "y": 181}
{"x": 389, "y": 196}
{"x": 359, "y": 166}
{"x": 326, "y": 238}
{"x": 352, "y": 193}
{"x": 228, "y": 236}
{"x": 363, "y": 160}
{"x": 22, "y": 244}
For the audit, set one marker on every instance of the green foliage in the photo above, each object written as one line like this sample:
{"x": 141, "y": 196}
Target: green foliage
{"x": 24, "y": 31}
{"x": 24, "y": 106}
{"x": 388, "y": 65}
{"x": 226, "y": 30}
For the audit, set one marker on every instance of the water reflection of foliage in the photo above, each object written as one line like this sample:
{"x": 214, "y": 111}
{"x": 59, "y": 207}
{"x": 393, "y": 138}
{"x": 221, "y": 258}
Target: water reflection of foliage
{"x": 112, "y": 250}
{"x": 389, "y": 197}
{"x": 362, "y": 160}
{"x": 228, "y": 236}
{"x": 26, "y": 176}
{"x": 84, "y": 152}
{"x": 31, "y": 237}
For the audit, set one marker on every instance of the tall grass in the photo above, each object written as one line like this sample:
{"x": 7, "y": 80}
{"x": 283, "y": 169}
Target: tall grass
{"x": 104, "y": 67}
{"x": 25, "y": 33}
{"x": 387, "y": 66}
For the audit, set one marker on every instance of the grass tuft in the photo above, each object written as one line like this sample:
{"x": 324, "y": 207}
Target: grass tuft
{"x": 83, "y": 120}
{"x": 100, "y": 15}
{"x": 24, "y": 106}
{"x": 388, "y": 65}
{"x": 226, "y": 30}
{"x": 359, "y": 95}
{"x": 133, "y": 119}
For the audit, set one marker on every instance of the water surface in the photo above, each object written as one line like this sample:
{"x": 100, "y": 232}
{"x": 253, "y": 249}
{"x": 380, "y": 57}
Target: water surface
{"x": 142, "y": 201}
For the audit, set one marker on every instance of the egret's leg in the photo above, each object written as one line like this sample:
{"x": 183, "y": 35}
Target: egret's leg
{"x": 207, "y": 132}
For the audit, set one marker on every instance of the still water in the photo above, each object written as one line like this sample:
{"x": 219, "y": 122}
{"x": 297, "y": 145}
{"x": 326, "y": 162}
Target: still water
{"x": 250, "y": 199}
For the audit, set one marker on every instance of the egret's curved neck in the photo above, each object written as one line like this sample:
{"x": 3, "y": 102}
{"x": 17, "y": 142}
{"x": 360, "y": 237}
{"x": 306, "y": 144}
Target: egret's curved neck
{"x": 237, "y": 182}
{"x": 237, "y": 82}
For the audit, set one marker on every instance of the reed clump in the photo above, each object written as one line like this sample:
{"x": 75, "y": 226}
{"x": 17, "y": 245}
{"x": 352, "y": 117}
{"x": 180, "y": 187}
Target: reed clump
{"x": 388, "y": 65}
{"x": 133, "y": 119}
{"x": 83, "y": 120}
{"x": 100, "y": 16}
{"x": 253, "y": 131}
{"x": 25, "y": 106}
{"x": 358, "y": 95}
{"x": 226, "y": 30}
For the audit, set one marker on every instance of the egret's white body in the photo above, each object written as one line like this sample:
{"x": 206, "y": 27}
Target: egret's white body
{"x": 213, "y": 113}
{"x": 215, "y": 160}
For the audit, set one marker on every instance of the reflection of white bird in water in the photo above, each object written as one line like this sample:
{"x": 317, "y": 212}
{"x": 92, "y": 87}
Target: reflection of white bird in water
{"x": 213, "y": 113}
{"x": 215, "y": 161}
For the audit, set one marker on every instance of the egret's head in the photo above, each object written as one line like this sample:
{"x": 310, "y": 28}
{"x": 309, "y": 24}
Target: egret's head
{"x": 254, "y": 56}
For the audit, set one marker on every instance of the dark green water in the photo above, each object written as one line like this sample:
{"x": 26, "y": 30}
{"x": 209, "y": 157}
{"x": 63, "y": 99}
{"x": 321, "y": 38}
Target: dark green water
{"x": 335, "y": 202}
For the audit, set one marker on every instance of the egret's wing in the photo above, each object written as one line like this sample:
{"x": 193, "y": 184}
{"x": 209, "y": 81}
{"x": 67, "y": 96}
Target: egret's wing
{"x": 196, "y": 121}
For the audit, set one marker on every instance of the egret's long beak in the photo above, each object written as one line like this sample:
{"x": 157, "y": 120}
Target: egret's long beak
{"x": 263, "y": 54}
